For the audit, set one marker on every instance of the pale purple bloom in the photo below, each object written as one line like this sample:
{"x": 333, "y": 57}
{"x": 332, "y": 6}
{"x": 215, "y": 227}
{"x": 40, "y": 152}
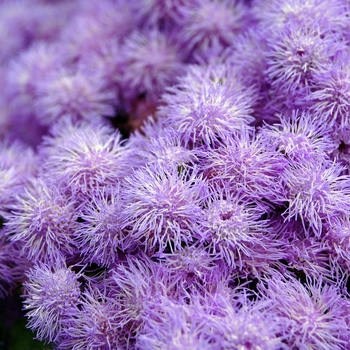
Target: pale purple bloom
{"x": 99, "y": 235}
{"x": 94, "y": 325}
{"x": 83, "y": 156}
{"x": 210, "y": 24}
{"x": 316, "y": 193}
{"x": 249, "y": 166}
{"x": 162, "y": 207}
{"x": 234, "y": 228}
{"x": 151, "y": 62}
{"x": 207, "y": 105}
{"x": 44, "y": 220}
{"x": 75, "y": 95}
{"x": 312, "y": 314}
{"x": 50, "y": 295}
{"x": 302, "y": 138}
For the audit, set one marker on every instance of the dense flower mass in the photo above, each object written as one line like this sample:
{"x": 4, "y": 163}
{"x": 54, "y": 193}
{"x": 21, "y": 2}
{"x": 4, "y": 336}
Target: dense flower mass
{"x": 176, "y": 174}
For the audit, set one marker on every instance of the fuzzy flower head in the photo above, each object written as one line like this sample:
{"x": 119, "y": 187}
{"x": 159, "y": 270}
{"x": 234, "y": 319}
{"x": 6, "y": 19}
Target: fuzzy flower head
{"x": 331, "y": 96}
{"x": 316, "y": 193}
{"x": 44, "y": 220}
{"x": 207, "y": 108}
{"x": 12, "y": 265}
{"x": 163, "y": 207}
{"x": 74, "y": 95}
{"x": 99, "y": 234}
{"x": 278, "y": 13}
{"x": 50, "y": 295}
{"x": 248, "y": 166}
{"x": 175, "y": 327}
{"x": 28, "y": 71}
{"x": 233, "y": 227}
{"x": 166, "y": 149}
{"x": 94, "y": 326}
{"x": 296, "y": 53}
{"x": 85, "y": 156}
{"x": 300, "y": 138}
{"x": 312, "y": 314}
{"x": 210, "y": 24}
{"x": 151, "y": 62}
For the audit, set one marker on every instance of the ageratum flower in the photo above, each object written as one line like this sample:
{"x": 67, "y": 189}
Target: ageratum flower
{"x": 247, "y": 165}
{"x": 151, "y": 62}
{"x": 43, "y": 219}
{"x": 84, "y": 156}
{"x": 296, "y": 53}
{"x": 170, "y": 325}
{"x": 234, "y": 229}
{"x": 207, "y": 107}
{"x": 166, "y": 149}
{"x": 99, "y": 235}
{"x": 95, "y": 24}
{"x": 278, "y": 13}
{"x": 330, "y": 96}
{"x": 72, "y": 94}
{"x": 316, "y": 193}
{"x": 301, "y": 138}
{"x": 210, "y": 24}
{"x": 30, "y": 69}
{"x": 94, "y": 326}
{"x": 50, "y": 295}
{"x": 12, "y": 265}
{"x": 311, "y": 314}
{"x": 162, "y": 207}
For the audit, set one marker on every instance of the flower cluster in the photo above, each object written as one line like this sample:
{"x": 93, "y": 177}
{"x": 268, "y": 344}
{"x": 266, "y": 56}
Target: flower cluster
{"x": 176, "y": 174}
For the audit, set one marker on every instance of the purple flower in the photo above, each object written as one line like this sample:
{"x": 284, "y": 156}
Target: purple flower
{"x": 316, "y": 193}
{"x": 72, "y": 94}
{"x": 96, "y": 23}
{"x": 233, "y": 227}
{"x": 51, "y": 294}
{"x": 166, "y": 150}
{"x": 162, "y": 207}
{"x": 302, "y": 138}
{"x": 207, "y": 105}
{"x": 94, "y": 326}
{"x": 278, "y": 13}
{"x": 99, "y": 236}
{"x": 330, "y": 96}
{"x": 312, "y": 314}
{"x": 174, "y": 326}
{"x": 151, "y": 63}
{"x": 296, "y": 53}
{"x": 12, "y": 265}
{"x": 85, "y": 156}
{"x": 249, "y": 166}
{"x": 44, "y": 220}
{"x": 210, "y": 24}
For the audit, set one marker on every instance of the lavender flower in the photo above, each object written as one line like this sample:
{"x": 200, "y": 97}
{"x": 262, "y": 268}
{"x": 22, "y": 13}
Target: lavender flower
{"x": 296, "y": 53}
{"x": 93, "y": 326}
{"x": 234, "y": 229}
{"x": 51, "y": 294}
{"x": 302, "y": 138}
{"x": 249, "y": 166}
